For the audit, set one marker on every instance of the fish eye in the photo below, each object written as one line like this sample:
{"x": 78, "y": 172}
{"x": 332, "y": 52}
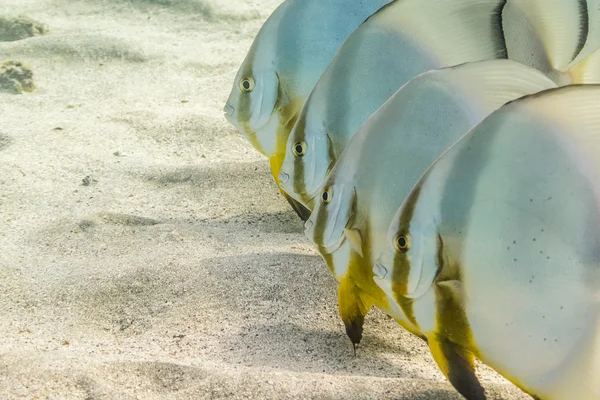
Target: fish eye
{"x": 326, "y": 196}
{"x": 299, "y": 149}
{"x": 247, "y": 84}
{"x": 402, "y": 242}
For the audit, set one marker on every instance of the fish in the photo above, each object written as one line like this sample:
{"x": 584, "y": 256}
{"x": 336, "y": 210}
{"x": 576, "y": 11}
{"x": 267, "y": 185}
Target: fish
{"x": 287, "y": 57}
{"x": 554, "y": 36}
{"x": 385, "y": 159}
{"x": 561, "y": 38}
{"x": 397, "y": 43}
{"x": 496, "y": 250}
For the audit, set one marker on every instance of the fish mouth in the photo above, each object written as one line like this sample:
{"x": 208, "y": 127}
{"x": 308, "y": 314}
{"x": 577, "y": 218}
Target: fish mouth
{"x": 382, "y": 279}
{"x": 286, "y": 183}
{"x": 228, "y": 110}
{"x": 382, "y": 267}
{"x": 307, "y": 225}
{"x": 379, "y": 271}
{"x": 283, "y": 178}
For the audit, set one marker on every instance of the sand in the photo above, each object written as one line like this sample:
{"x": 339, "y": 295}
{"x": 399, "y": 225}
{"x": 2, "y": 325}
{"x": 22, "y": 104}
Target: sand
{"x": 145, "y": 252}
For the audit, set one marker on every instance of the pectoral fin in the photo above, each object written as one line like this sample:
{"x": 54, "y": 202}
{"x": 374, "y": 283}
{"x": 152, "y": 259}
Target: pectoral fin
{"x": 458, "y": 366}
{"x": 355, "y": 239}
{"x": 353, "y": 307}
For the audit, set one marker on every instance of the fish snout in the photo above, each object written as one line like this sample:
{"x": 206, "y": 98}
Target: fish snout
{"x": 228, "y": 110}
{"x": 380, "y": 271}
{"x": 308, "y": 225}
{"x": 283, "y": 178}
{"x": 309, "y": 229}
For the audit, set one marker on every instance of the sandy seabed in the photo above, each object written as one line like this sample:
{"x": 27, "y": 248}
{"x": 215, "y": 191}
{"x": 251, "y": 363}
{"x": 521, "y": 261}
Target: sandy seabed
{"x": 145, "y": 252}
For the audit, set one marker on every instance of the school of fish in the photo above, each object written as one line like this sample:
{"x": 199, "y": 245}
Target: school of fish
{"x": 444, "y": 156}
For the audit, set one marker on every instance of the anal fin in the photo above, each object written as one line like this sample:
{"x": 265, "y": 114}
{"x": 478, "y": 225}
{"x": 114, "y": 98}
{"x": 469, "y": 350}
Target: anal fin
{"x": 303, "y": 212}
{"x": 275, "y": 164}
{"x": 458, "y": 366}
{"x": 353, "y": 307}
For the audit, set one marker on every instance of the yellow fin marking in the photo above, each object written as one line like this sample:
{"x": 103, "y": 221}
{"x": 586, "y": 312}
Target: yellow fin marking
{"x": 353, "y": 307}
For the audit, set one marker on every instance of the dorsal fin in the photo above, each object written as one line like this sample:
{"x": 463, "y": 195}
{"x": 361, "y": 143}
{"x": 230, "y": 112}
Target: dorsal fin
{"x": 491, "y": 83}
{"x": 545, "y": 34}
{"x": 574, "y": 112}
{"x": 592, "y": 42}
{"x": 575, "y": 105}
{"x": 465, "y": 24}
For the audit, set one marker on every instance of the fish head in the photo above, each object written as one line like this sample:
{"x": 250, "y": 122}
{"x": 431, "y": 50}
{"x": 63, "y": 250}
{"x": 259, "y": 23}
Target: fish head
{"x": 334, "y": 211}
{"x": 253, "y": 101}
{"x": 411, "y": 258}
{"x": 308, "y": 159}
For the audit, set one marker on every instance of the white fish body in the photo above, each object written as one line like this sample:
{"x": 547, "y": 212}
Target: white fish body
{"x": 557, "y": 229}
{"x": 397, "y": 43}
{"x": 509, "y": 220}
{"x": 393, "y": 149}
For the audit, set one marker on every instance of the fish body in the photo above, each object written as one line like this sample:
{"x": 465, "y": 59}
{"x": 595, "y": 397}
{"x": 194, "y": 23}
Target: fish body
{"x": 496, "y": 250}
{"x": 388, "y": 155}
{"x": 285, "y": 61}
{"x": 399, "y": 42}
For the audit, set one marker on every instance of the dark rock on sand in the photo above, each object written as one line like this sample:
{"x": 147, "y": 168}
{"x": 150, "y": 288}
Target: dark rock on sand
{"x": 19, "y": 28}
{"x": 15, "y": 77}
